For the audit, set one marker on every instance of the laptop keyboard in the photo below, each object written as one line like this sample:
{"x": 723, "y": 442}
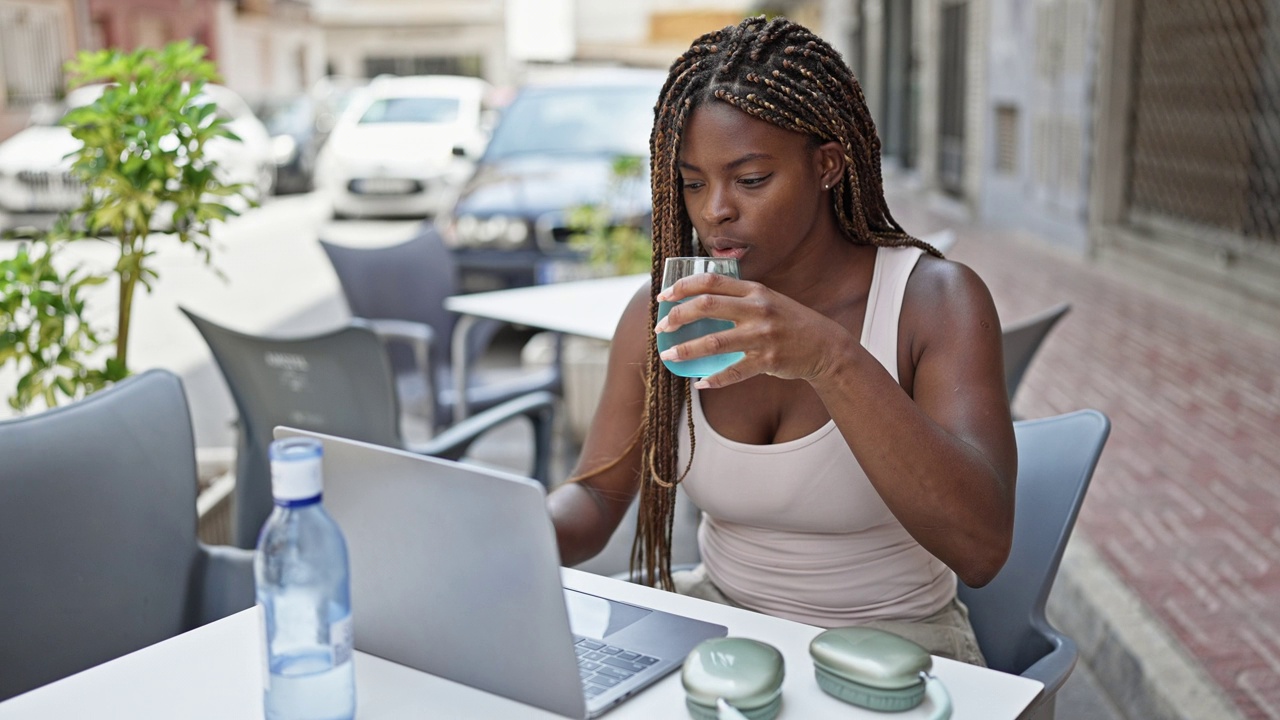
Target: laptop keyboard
{"x": 602, "y": 666}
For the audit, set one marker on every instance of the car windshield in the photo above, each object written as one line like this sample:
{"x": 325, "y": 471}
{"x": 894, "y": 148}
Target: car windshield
{"x": 412, "y": 110}
{"x": 578, "y": 120}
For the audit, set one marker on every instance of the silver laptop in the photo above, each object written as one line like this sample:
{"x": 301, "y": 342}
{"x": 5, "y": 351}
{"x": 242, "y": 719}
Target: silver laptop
{"x": 455, "y": 572}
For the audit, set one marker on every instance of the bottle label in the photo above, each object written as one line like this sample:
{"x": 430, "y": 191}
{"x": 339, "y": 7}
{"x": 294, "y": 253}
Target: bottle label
{"x": 341, "y": 639}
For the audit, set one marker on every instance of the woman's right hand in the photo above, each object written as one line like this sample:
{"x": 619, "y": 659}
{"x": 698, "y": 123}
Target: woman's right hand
{"x": 778, "y": 336}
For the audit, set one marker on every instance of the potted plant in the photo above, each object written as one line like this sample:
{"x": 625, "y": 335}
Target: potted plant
{"x": 145, "y": 168}
{"x": 615, "y": 241}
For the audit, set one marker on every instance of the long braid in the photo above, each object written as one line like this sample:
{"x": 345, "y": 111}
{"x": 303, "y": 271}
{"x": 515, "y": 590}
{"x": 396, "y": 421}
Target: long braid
{"x": 781, "y": 73}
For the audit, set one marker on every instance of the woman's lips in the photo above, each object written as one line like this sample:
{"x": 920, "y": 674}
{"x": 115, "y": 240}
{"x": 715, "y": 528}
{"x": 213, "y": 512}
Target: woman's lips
{"x": 728, "y": 251}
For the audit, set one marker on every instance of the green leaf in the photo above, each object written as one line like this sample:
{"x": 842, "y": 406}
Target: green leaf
{"x": 150, "y": 95}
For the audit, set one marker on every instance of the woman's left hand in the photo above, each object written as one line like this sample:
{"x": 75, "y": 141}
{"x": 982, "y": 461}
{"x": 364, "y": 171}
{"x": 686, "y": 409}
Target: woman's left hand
{"x": 777, "y": 335}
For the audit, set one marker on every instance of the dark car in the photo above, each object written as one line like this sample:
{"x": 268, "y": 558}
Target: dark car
{"x": 554, "y": 148}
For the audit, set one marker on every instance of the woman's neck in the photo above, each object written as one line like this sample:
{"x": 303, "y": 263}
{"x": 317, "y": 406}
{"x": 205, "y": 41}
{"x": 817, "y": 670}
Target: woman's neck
{"x": 825, "y": 274}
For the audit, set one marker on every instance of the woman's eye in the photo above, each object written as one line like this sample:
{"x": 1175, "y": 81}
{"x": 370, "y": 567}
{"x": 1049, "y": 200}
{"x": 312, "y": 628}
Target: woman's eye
{"x": 754, "y": 180}
{"x": 691, "y": 184}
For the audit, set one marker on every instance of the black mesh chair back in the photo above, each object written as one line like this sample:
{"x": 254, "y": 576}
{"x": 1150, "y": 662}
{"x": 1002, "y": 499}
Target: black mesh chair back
{"x": 98, "y": 549}
{"x": 1056, "y": 459}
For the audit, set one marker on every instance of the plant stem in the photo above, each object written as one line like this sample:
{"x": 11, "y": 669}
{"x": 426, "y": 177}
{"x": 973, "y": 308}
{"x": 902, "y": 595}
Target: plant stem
{"x": 128, "y": 281}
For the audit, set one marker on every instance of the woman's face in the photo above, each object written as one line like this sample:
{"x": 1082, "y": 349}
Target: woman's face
{"x": 754, "y": 191}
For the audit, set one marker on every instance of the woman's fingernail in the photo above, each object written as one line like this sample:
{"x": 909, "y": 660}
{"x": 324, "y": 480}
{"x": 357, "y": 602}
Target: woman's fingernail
{"x": 702, "y": 385}
{"x": 661, "y": 326}
{"x": 664, "y": 295}
{"x": 668, "y": 354}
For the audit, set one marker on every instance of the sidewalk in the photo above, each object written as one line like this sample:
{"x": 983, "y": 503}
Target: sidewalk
{"x": 1171, "y": 590}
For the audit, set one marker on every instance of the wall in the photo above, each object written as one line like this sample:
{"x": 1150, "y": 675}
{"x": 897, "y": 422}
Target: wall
{"x": 36, "y": 37}
{"x": 1037, "y": 106}
{"x": 355, "y": 30}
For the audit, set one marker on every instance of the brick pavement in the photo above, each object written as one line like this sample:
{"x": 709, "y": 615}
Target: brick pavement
{"x": 1185, "y": 503}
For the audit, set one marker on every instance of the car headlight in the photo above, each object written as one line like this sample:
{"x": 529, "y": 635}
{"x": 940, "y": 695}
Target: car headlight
{"x": 498, "y": 231}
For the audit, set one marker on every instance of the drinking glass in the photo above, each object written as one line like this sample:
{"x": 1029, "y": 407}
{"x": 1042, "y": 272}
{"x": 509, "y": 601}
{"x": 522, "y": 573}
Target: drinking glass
{"x": 679, "y": 267}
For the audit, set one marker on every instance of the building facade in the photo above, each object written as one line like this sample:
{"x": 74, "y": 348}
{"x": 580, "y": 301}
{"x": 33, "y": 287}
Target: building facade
{"x": 36, "y": 38}
{"x": 366, "y": 38}
{"x": 264, "y": 49}
{"x": 1141, "y": 133}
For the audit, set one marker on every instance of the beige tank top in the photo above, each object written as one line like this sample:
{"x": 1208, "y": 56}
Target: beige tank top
{"x": 796, "y": 529}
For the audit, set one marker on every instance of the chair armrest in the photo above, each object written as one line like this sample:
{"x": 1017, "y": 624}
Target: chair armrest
{"x": 1052, "y": 669}
{"x": 225, "y": 581}
{"x": 454, "y": 442}
{"x": 418, "y": 336}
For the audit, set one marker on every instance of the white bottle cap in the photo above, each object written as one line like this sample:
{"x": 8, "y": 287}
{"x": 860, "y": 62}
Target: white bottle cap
{"x": 296, "y": 468}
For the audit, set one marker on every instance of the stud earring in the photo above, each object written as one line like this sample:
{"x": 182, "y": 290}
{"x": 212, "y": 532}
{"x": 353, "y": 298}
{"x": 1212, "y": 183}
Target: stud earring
{"x": 826, "y": 187}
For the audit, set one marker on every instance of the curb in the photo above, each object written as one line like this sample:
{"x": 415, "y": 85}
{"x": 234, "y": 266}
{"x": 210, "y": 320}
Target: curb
{"x": 1143, "y": 669}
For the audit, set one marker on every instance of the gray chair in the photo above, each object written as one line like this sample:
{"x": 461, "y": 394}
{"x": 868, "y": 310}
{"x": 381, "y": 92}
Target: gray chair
{"x": 1022, "y": 339}
{"x": 408, "y": 283}
{"x": 98, "y": 548}
{"x": 338, "y": 383}
{"x": 1056, "y": 459}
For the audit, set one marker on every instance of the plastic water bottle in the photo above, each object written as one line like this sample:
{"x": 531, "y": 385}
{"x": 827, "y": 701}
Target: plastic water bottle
{"x": 303, "y": 588}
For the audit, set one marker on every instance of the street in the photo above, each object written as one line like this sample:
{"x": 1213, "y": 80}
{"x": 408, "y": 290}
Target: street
{"x": 276, "y": 280}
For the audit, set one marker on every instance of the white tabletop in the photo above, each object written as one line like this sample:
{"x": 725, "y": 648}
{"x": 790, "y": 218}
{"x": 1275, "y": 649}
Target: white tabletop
{"x": 215, "y": 673}
{"x": 589, "y": 308}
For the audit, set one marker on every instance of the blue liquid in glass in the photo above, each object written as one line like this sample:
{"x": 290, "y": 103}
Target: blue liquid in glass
{"x": 700, "y": 367}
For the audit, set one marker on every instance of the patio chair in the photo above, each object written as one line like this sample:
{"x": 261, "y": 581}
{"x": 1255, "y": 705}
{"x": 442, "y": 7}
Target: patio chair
{"x": 338, "y": 383}
{"x": 98, "y": 549}
{"x": 1056, "y": 459}
{"x": 408, "y": 283}
{"x": 1021, "y": 341}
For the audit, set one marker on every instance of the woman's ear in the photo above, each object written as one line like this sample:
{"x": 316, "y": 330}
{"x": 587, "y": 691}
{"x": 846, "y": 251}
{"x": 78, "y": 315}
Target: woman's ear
{"x": 830, "y": 158}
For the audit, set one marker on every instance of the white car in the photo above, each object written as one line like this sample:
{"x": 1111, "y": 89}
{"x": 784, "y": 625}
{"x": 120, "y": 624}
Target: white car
{"x": 403, "y": 145}
{"x": 35, "y": 177}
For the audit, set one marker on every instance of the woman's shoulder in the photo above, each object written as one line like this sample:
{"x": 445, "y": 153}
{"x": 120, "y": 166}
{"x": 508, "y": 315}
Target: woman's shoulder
{"x": 935, "y": 278}
{"x": 941, "y": 292}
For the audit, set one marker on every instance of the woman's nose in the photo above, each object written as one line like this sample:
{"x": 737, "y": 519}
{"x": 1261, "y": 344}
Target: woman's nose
{"x": 719, "y": 207}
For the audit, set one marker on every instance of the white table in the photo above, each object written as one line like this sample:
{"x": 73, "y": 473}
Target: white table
{"x": 215, "y": 673}
{"x": 588, "y": 308}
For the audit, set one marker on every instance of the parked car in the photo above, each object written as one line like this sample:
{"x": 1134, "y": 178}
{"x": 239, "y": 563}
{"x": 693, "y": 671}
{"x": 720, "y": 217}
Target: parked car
{"x": 553, "y": 149}
{"x": 35, "y": 178}
{"x": 299, "y": 127}
{"x": 392, "y": 153}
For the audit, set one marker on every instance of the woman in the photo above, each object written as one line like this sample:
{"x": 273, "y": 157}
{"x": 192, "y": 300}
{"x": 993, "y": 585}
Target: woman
{"x": 861, "y": 455}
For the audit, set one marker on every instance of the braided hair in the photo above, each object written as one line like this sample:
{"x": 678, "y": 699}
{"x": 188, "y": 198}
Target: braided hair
{"x": 779, "y": 72}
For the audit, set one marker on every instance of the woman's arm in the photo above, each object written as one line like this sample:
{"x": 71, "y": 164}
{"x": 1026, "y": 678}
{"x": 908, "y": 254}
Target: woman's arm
{"x": 586, "y": 512}
{"x": 943, "y": 456}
